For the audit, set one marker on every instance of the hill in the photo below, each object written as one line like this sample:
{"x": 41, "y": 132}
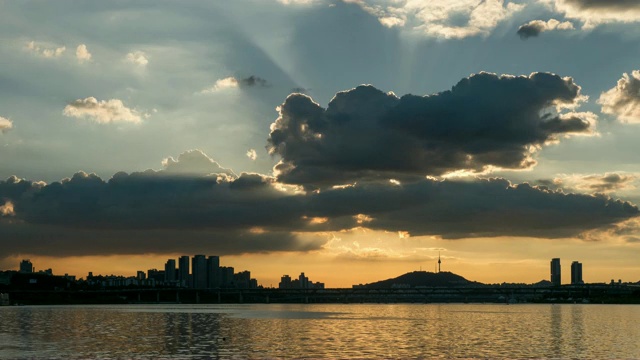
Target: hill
{"x": 423, "y": 278}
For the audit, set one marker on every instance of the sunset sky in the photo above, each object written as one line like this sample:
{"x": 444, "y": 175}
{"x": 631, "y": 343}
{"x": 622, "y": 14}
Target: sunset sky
{"x": 353, "y": 140}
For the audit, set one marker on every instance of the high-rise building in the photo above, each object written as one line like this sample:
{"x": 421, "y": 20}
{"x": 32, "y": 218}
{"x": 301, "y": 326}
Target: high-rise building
{"x": 26, "y": 266}
{"x": 304, "y": 281}
{"x": 285, "y": 282}
{"x": 213, "y": 272}
{"x": 576, "y": 273}
{"x": 199, "y": 271}
{"x": 556, "y": 278}
{"x": 243, "y": 279}
{"x": 156, "y": 275}
{"x": 183, "y": 271}
{"x": 226, "y": 276}
{"x": 170, "y": 271}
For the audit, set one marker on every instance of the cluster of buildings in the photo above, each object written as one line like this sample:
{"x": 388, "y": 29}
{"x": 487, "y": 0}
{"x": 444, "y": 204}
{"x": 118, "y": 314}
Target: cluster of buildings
{"x": 198, "y": 272}
{"x": 556, "y": 273}
{"x": 26, "y": 267}
{"x": 302, "y": 282}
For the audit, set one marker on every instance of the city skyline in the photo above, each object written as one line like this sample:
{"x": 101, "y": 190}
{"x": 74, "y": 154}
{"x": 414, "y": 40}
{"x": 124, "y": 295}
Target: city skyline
{"x": 350, "y": 140}
{"x": 205, "y": 272}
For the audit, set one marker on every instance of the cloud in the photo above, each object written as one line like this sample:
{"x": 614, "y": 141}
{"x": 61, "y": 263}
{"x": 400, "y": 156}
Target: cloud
{"x": 252, "y": 154}
{"x": 623, "y": 100}
{"x": 194, "y": 163}
{"x": 234, "y": 83}
{"x": 626, "y": 231}
{"x": 157, "y": 210}
{"x": 82, "y": 53}
{"x": 102, "y": 112}
{"x": 50, "y": 51}
{"x": 138, "y": 58}
{"x": 467, "y": 209}
{"x": 442, "y": 18}
{"x": 252, "y": 81}
{"x": 595, "y": 12}
{"x": 222, "y": 84}
{"x": 5, "y": 125}
{"x": 7, "y": 209}
{"x": 486, "y": 121}
{"x": 132, "y": 213}
{"x": 592, "y": 183}
{"x": 297, "y": 2}
{"x": 535, "y": 27}
{"x": 300, "y": 90}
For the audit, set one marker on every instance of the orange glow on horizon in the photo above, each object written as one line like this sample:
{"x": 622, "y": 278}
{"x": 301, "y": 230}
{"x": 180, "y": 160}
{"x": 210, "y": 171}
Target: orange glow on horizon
{"x": 362, "y": 255}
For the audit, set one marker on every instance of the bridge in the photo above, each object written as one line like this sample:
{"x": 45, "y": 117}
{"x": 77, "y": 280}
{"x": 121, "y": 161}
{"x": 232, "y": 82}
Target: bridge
{"x": 490, "y": 294}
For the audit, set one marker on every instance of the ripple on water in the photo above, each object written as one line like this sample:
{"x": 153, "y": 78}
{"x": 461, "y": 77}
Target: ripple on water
{"x": 321, "y": 331}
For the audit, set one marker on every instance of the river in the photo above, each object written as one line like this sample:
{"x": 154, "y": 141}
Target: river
{"x": 320, "y": 331}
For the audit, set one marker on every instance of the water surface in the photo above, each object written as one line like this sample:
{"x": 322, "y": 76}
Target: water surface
{"x": 320, "y": 331}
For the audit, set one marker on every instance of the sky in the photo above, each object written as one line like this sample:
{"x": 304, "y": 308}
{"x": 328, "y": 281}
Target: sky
{"x": 353, "y": 140}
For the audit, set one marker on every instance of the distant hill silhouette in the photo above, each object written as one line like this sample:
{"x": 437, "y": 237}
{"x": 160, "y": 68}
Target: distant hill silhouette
{"x": 423, "y": 278}
{"x": 542, "y": 283}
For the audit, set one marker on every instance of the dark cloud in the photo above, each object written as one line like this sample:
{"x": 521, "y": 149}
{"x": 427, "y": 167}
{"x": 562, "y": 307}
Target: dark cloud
{"x": 484, "y": 121}
{"x": 157, "y": 212}
{"x": 47, "y": 240}
{"x": 603, "y": 4}
{"x": 596, "y": 12}
{"x": 609, "y": 182}
{"x": 252, "y": 81}
{"x": 530, "y": 29}
{"x": 592, "y": 183}
{"x": 535, "y": 27}
{"x": 479, "y": 208}
{"x": 150, "y": 211}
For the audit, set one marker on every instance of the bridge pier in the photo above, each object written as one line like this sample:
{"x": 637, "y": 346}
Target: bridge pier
{"x": 240, "y": 299}
{"x": 138, "y": 296}
{"x": 177, "y": 297}
{"x": 157, "y": 296}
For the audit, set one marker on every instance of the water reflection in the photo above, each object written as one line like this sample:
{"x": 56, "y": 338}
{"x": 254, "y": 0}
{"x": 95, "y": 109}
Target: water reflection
{"x": 320, "y": 331}
{"x": 556, "y": 330}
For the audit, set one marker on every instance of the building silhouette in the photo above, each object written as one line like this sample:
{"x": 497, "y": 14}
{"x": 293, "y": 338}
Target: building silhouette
{"x": 140, "y": 275}
{"x": 576, "y": 273}
{"x": 155, "y": 275}
{"x": 226, "y": 276}
{"x": 199, "y": 271}
{"x": 302, "y": 282}
{"x": 183, "y": 271}
{"x": 213, "y": 272}
{"x": 285, "y": 282}
{"x": 170, "y": 271}
{"x": 556, "y": 273}
{"x": 26, "y": 266}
